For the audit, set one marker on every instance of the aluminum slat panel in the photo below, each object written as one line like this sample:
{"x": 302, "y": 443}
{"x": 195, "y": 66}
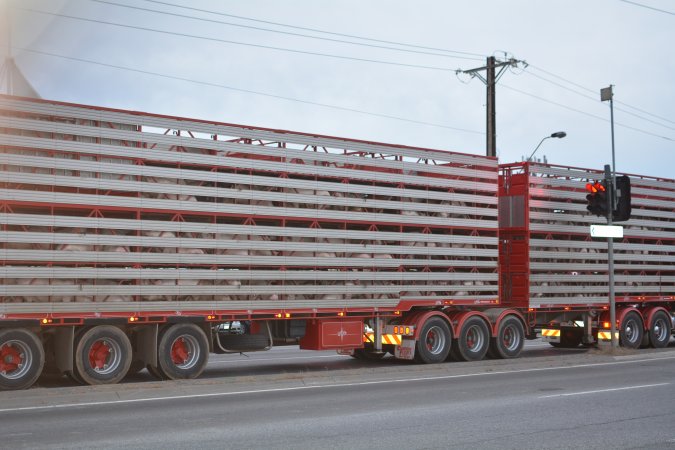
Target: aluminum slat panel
{"x": 601, "y": 278}
{"x": 206, "y": 243}
{"x": 246, "y": 194}
{"x": 599, "y": 267}
{"x": 581, "y": 207}
{"x": 601, "y": 245}
{"x": 237, "y": 305}
{"x": 209, "y": 260}
{"x": 246, "y": 180}
{"x": 588, "y": 174}
{"x": 152, "y": 139}
{"x": 239, "y": 131}
{"x": 536, "y": 302}
{"x": 69, "y": 273}
{"x": 241, "y": 163}
{"x": 599, "y": 289}
{"x": 590, "y": 219}
{"x": 585, "y": 230}
{"x": 601, "y": 256}
{"x": 192, "y": 227}
{"x": 581, "y": 197}
{"x": 163, "y": 306}
{"x": 75, "y": 290}
{"x": 255, "y": 210}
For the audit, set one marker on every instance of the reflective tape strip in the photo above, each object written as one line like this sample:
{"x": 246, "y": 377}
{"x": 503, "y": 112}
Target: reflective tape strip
{"x": 390, "y": 339}
{"x": 606, "y": 335}
{"x": 550, "y": 333}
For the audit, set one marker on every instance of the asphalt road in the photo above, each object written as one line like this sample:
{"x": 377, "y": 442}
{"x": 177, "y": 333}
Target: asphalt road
{"x": 547, "y": 399}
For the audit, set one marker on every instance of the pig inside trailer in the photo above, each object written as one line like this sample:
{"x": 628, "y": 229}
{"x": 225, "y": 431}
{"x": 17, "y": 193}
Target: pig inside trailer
{"x": 133, "y": 240}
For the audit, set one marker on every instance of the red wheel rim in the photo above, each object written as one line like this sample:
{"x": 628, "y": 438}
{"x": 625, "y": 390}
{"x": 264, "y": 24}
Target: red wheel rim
{"x": 99, "y": 353}
{"x": 10, "y": 358}
{"x": 179, "y": 351}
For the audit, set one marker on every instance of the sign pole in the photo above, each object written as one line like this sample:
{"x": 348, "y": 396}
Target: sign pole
{"x": 610, "y": 256}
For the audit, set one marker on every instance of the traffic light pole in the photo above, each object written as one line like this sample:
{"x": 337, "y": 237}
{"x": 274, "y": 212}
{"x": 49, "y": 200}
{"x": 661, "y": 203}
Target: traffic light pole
{"x": 610, "y": 257}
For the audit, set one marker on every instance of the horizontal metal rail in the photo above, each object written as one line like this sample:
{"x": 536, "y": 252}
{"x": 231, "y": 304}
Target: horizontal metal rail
{"x": 253, "y": 230}
{"x": 90, "y": 257}
{"x": 584, "y": 230}
{"x": 126, "y": 241}
{"x": 74, "y": 290}
{"x": 150, "y": 120}
{"x": 71, "y": 273}
{"x": 152, "y": 139}
{"x": 155, "y": 188}
{"x": 172, "y": 157}
{"x": 185, "y": 206}
{"x": 197, "y": 176}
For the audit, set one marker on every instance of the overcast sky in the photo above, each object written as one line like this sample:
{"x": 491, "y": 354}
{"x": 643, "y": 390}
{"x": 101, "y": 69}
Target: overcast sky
{"x": 589, "y": 43}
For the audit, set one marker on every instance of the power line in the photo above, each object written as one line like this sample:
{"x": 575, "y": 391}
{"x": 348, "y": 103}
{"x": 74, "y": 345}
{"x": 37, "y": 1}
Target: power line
{"x": 248, "y": 91}
{"x": 648, "y": 7}
{"x": 267, "y": 47}
{"x": 595, "y": 99}
{"x": 316, "y": 30}
{"x": 594, "y": 91}
{"x": 288, "y": 33}
{"x": 587, "y": 113}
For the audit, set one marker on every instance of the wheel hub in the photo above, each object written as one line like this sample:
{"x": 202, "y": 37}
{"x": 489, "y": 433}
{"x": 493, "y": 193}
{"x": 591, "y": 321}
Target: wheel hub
{"x": 99, "y": 355}
{"x": 10, "y": 359}
{"x": 15, "y": 359}
{"x": 179, "y": 352}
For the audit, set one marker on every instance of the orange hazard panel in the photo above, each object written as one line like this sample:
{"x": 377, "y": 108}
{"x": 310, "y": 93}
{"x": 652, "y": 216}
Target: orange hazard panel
{"x": 334, "y": 334}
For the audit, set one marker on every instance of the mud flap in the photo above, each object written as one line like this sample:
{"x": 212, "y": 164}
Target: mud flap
{"x": 406, "y": 350}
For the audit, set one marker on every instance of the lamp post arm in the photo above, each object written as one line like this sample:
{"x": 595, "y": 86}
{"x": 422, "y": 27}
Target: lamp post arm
{"x": 539, "y": 145}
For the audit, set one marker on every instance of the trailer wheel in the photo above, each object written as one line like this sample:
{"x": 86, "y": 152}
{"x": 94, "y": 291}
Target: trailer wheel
{"x": 472, "y": 342}
{"x": 630, "y": 335}
{"x": 183, "y": 351}
{"x": 434, "y": 341}
{"x": 659, "y": 330}
{"x": 22, "y": 358}
{"x": 102, "y": 355}
{"x": 510, "y": 339}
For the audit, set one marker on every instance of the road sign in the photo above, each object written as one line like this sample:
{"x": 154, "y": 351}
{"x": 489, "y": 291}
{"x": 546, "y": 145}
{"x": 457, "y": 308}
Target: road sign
{"x": 607, "y": 231}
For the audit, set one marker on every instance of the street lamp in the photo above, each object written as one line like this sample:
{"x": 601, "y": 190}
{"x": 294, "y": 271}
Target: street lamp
{"x": 557, "y": 134}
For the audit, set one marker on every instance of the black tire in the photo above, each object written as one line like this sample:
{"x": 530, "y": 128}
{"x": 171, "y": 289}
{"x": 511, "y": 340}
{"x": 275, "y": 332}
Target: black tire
{"x": 509, "y": 340}
{"x": 632, "y": 330}
{"x": 434, "y": 342}
{"x": 660, "y": 330}
{"x": 22, "y": 358}
{"x": 183, "y": 351}
{"x": 102, "y": 355}
{"x": 473, "y": 340}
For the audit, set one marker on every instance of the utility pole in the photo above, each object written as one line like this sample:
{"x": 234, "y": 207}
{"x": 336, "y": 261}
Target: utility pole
{"x": 490, "y": 79}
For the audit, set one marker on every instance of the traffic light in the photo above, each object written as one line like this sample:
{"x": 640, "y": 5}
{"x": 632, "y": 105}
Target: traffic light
{"x": 597, "y": 198}
{"x": 623, "y": 208}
